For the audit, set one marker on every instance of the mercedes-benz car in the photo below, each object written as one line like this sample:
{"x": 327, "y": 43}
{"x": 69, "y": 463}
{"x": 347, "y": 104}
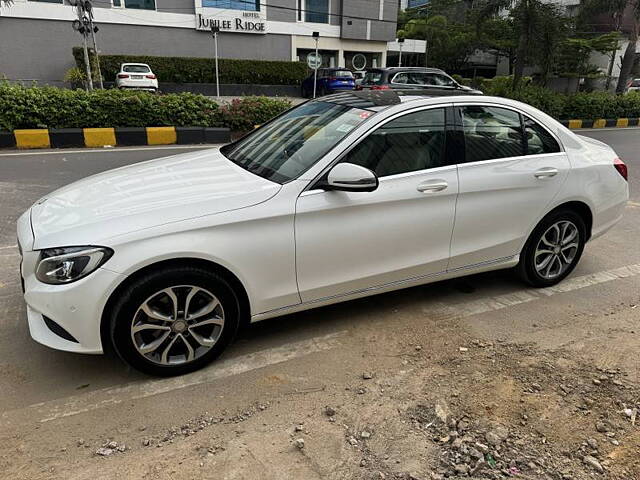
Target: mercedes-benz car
{"x": 342, "y": 197}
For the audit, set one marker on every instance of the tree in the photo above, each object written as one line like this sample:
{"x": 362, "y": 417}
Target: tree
{"x": 617, "y": 9}
{"x": 498, "y": 35}
{"x": 535, "y": 23}
{"x": 449, "y": 44}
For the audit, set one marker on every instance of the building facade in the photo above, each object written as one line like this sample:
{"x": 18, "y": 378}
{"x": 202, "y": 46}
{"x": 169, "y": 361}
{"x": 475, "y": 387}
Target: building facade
{"x": 36, "y": 36}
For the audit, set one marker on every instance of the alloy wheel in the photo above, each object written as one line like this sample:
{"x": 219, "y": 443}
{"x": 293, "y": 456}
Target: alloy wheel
{"x": 557, "y": 249}
{"x": 177, "y": 325}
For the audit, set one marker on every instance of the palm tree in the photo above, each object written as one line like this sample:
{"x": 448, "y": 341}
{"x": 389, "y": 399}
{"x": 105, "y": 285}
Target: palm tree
{"x": 617, "y": 9}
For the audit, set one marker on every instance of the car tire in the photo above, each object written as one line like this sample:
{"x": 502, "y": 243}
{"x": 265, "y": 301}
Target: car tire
{"x": 553, "y": 249}
{"x": 158, "y": 326}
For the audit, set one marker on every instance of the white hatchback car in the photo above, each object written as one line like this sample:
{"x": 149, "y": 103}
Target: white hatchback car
{"x": 136, "y": 76}
{"x": 343, "y": 197}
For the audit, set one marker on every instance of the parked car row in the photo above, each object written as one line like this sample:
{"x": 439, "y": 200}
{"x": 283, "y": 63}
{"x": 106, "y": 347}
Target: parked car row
{"x": 430, "y": 81}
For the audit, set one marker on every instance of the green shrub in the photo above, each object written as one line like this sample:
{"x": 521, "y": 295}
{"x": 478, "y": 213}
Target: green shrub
{"x": 202, "y": 70}
{"x": 49, "y": 107}
{"x": 243, "y": 114}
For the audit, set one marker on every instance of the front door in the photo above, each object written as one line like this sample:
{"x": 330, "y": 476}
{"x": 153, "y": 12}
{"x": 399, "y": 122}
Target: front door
{"x": 513, "y": 170}
{"x": 351, "y": 241}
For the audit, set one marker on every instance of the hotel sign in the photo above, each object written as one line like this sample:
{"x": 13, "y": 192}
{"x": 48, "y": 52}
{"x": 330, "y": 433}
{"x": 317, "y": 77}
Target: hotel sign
{"x": 228, "y": 20}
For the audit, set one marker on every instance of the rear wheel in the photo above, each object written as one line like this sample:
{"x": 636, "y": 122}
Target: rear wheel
{"x": 175, "y": 321}
{"x": 553, "y": 250}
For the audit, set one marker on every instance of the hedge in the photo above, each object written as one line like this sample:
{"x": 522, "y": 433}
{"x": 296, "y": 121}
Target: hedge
{"x": 202, "y": 70}
{"x": 50, "y": 107}
{"x": 584, "y": 106}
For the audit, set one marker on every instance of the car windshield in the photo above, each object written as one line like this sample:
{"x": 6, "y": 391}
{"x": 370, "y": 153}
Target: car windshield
{"x": 635, "y": 83}
{"x": 343, "y": 73}
{"x": 136, "y": 69}
{"x": 288, "y": 146}
{"x": 372, "y": 78}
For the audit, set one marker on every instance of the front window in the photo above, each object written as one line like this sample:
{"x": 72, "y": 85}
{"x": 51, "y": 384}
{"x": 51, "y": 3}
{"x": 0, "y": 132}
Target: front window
{"x": 250, "y": 5}
{"x": 409, "y": 143}
{"x": 292, "y": 143}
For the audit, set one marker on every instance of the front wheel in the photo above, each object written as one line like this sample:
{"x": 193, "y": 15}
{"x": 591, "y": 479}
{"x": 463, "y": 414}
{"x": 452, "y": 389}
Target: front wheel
{"x": 553, "y": 250}
{"x": 174, "y": 321}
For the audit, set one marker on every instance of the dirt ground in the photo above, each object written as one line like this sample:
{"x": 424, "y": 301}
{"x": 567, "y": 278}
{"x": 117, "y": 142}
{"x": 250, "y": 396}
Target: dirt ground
{"x": 427, "y": 401}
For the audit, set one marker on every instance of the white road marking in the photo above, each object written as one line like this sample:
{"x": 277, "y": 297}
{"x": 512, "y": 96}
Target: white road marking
{"x": 499, "y": 302}
{"x": 6, "y": 247}
{"x": 74, "y": 405}
{"x": 106, "y": 150}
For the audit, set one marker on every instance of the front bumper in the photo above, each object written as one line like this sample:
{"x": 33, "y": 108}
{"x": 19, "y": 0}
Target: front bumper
{"x": 76, "y": 307}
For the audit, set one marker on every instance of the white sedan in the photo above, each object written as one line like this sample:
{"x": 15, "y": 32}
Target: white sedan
{"x": 346, "y": 196}
{"x": 137, "y": 76}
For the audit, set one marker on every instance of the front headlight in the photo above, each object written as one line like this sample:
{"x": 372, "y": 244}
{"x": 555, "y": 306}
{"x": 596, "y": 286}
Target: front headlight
{"x": 65, "y": 265}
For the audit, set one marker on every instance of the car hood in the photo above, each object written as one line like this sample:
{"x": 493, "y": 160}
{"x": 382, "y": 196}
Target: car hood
{"x": 145, "y": 195}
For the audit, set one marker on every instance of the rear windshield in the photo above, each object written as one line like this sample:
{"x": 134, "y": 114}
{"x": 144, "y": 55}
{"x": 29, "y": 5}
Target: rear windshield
{"x": 373, "y": 78}
{"x": 343, "y": 74}
{"x": 136, "y": 69}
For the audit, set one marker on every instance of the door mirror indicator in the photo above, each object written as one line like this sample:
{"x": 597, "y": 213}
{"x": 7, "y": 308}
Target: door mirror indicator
{"x": 348, "y": 177}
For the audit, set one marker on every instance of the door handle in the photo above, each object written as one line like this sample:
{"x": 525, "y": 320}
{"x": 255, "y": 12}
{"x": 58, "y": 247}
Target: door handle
{"x": 546, "y": 172}
{"x": 431, "y": 186}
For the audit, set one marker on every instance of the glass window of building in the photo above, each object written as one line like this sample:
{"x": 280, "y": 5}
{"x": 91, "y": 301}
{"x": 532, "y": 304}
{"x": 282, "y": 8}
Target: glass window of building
{"x": 315, "y": 11}
{"x": 251, "y": 5}
{"x": 136, "y": 4}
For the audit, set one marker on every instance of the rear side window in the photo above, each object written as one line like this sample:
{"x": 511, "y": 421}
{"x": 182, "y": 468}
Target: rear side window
{"x": 539, "y": 140}
{"x": 409, "y": 143}
{"x": 491, "y": 133}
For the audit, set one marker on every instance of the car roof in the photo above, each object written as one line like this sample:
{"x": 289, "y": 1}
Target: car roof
{"x": 414, "y": 69}
{"x": 377, "y": 100}
{"x": 134, "y": 64}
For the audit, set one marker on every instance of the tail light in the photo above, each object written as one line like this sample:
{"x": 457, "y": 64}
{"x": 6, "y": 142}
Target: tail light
{"x": 123, "y": 75}
{"x": 380, "y": 87}
{"x": 151, "y": 76}
{"x": 621, "y": 167}
{"x": 333, "y": 79}
{"x": 358, "y": 87}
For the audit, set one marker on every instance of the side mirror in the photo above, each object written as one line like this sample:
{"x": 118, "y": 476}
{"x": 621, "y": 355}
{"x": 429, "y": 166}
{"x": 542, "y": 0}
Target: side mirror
{"x": 348, "y": 177}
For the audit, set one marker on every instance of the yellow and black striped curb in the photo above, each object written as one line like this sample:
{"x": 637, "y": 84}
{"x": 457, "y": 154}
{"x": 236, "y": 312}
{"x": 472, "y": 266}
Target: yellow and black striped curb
{"x": 602, "y": 123}
{"x": 118, "y": 136}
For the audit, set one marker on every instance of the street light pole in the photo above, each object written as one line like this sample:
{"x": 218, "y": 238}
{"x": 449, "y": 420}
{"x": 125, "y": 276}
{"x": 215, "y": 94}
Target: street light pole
{"x": 94, "y": 29}
{"x": 81, "y": 25}
{"x": 316, "y": 37}
{"x": 215, "y": 30}
{"x": 400, "y": 43}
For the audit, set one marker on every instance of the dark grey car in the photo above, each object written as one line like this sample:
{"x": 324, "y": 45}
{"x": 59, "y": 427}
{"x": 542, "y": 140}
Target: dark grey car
{"x": 430, "y": 81}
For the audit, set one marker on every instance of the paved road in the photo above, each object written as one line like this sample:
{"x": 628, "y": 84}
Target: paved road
{"x": 491, "y": 305}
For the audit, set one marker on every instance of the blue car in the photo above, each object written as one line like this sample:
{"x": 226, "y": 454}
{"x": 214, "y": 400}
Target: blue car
{"x": 329, "y": 80}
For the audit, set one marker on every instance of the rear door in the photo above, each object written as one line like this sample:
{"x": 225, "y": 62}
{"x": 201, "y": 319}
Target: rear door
{"x": 513, "y": 168}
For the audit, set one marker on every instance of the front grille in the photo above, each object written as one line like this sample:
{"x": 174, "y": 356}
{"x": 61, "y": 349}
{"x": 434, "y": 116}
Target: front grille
{"x": 58, "y": 330}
